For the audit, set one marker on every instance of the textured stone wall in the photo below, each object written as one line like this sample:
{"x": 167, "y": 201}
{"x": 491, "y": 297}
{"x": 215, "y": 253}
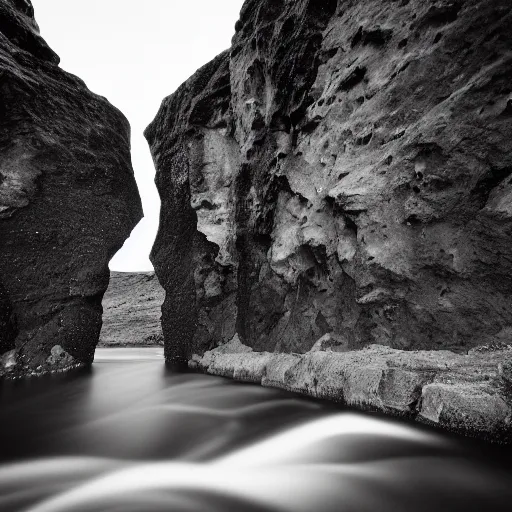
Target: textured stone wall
{"x": 131, "y": 310}
{"x": 344, "y": 169}
{"x": 68, "y": 200}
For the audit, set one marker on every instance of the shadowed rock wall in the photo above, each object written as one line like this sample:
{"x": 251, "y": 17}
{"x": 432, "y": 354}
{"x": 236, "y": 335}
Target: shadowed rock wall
{"x": 344, "y": 169}
{"x": 68, "y": 200}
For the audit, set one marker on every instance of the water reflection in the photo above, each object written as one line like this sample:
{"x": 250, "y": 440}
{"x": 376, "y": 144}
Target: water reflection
{"x": 129, "y": 435}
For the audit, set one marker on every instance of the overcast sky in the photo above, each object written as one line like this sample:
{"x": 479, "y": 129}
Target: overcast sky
{"x": 135, "y": 53}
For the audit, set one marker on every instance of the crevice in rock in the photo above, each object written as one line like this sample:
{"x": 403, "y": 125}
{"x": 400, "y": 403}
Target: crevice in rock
{"x": 485, "y": 185}
{"x": 8, "y": 327}
{"x": 442, "y": 14}
{"x": 376, "y": 36}
{"x": 355, "y": 77}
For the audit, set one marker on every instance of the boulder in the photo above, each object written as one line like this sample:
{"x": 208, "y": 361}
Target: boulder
{"x": 68, "y": 200}
{"x": 466, "y": 408}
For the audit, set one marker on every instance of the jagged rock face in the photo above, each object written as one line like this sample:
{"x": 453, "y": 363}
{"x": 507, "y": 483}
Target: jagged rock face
{"x": 184, "y": 259}
{"x": 68, "y": 199}
{"x": 345, "y": 168}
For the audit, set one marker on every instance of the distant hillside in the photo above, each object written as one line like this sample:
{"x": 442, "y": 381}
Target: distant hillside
{"x": 132, "y": 310}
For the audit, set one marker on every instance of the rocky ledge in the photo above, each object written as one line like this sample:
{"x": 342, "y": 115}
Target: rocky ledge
{"x": 468, "y": 394}
{"x": 68, "y": 201}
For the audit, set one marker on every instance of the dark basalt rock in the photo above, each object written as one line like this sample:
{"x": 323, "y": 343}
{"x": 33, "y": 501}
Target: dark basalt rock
{"x": 182, "y": 255}
{"x": 346, "y": 169}
{"x": 68, "y": 200}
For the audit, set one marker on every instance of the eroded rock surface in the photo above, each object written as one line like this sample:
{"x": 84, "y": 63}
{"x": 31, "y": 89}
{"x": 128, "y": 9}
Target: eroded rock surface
{"x": 132, "y": 310}
{"x": 341, "y": 178}
{"x": 68, "y": 200}
{"x": 467, "y": 394}
{"x": 344, "y": 168}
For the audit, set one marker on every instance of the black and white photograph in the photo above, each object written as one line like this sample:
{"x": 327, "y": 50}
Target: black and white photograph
{"x": 256, "y": 256}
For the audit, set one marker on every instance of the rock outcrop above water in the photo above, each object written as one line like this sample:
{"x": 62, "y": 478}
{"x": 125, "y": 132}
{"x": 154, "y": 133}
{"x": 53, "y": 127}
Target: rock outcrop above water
{"x": 345, "y": 169}
{"x": 469, "y": 394}
{"x": 68, "y": 201}
{"x": 132, "y": 310}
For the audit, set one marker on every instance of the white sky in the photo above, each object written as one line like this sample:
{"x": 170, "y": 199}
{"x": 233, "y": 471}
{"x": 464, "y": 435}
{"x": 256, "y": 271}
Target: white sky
{"x": 135, "y": 53}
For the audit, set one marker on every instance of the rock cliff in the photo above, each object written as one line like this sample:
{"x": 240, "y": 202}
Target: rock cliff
{"x": 341, "y": 176}
{"x": 345, "y": 168}
{"x": 131, "y": 310}
{"x": 68, "y": 200}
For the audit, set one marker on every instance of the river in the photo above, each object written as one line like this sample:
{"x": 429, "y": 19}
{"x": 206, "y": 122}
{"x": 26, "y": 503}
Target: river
{"x": 130, "y": 435}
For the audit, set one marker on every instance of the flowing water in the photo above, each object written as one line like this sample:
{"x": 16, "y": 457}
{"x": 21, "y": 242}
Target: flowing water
{"x": 129, "y": 435}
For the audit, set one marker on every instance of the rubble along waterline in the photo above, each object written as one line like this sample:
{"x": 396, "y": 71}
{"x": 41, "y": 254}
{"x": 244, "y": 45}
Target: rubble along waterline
{"x": 128, "y": 434}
